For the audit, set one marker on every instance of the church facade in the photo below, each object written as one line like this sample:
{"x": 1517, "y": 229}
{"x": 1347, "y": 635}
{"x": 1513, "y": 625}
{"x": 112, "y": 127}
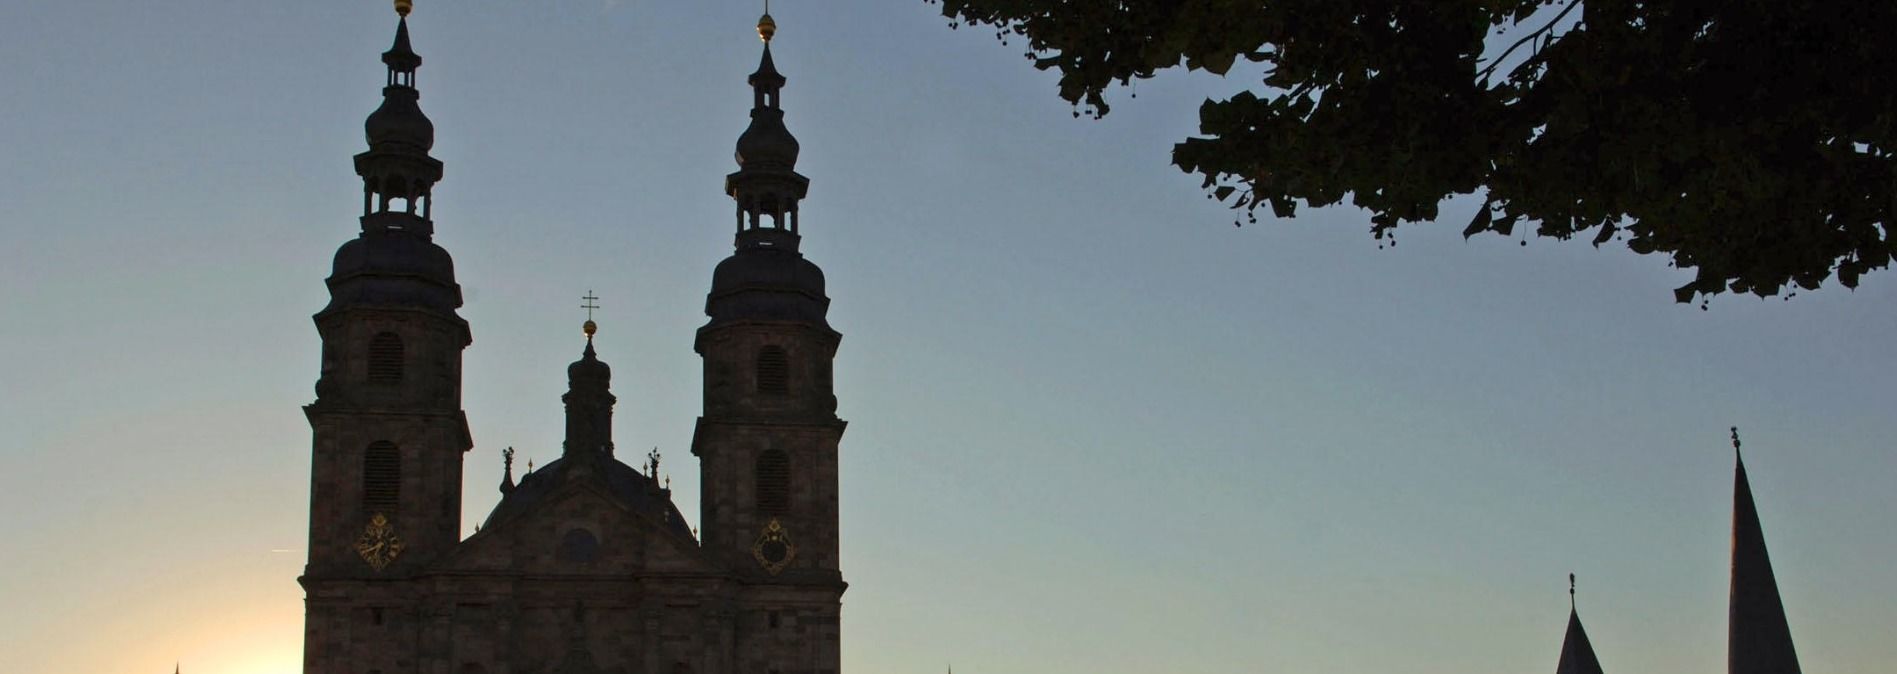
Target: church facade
{"x": 586, "y": 564}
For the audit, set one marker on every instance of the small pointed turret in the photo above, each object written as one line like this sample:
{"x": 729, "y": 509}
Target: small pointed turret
{"x": 507, "y": 471}
{"x": 1758, "y": 637}
{"x": 1577, "y": 654}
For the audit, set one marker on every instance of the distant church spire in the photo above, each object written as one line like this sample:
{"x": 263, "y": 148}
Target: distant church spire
{"x": 1577, "y": 655}
{"x": 1758, "y": 638}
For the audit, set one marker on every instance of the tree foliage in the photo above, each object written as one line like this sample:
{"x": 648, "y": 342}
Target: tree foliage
{"x": 1749, "y": 140}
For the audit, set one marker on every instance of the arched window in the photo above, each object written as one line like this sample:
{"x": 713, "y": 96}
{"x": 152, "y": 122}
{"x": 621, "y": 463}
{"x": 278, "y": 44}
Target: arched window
{"x": 381, "y": 478}
{"x": 385, "y": 357}
{"x": 773, "y": 371}
{"x": 773, "y": 482}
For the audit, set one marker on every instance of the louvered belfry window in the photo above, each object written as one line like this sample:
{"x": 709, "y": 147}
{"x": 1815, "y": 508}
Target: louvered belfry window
{"x": 385, "y": 357}
{"x": 773, "y": 482}
{"x": 381, "y": 478}
{"x": 773, "y": 371}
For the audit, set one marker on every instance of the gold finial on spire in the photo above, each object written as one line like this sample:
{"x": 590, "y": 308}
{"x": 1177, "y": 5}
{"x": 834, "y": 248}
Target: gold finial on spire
{"x": 402, "y": 7}
{"x": 589, "y": 302}
{"x": 765, "y": 26}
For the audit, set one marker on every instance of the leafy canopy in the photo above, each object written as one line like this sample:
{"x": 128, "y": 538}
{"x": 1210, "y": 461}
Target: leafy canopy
{"x": 1749, "y": 140}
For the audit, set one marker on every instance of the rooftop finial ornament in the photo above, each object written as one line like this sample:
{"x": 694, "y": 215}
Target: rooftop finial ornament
{"x": 589, "y": 303}
{"x": 1735, "y": 439}
{"x": 766, "y": 27}
{"x": 402, "y": 7}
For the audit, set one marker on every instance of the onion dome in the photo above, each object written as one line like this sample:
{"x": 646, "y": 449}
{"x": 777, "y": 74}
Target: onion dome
{"x": 589, "y": 373}
{"x": 393, "y": 271}
{"x": 766, "y": 144}
{"x": 767, "y": 283}
{"x": 399, "y": 123}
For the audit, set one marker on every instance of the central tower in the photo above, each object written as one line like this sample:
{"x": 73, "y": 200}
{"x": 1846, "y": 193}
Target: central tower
{"x": 767, "y": 439}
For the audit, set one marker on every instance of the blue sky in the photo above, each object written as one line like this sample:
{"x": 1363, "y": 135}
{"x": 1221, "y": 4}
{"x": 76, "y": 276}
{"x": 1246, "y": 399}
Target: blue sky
{"x": 1093, "y": 426}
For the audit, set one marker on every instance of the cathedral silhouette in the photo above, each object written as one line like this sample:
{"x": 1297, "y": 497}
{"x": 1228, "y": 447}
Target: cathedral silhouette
{"x": 585, "y": 565}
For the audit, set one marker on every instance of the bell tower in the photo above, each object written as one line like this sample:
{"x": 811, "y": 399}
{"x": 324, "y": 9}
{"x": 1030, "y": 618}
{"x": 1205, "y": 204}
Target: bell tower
{"x": 767, "y": 439}
{"x": 388, "y": 428}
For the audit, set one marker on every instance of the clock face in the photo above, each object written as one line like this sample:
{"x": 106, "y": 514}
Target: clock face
{"x": 378, "y": 545}
{"x": 774, "y": 549}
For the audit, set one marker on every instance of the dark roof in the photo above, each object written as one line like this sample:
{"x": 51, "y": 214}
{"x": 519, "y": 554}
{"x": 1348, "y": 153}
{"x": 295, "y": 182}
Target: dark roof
{"x": 401, "y": 57}
{"x": 766, "y": 75}
{"x": 393, "y": 269}
{"x": 1758, "y": 638}
{"x": 625, "y": 484}
{"x": 1577, "y": 654}
{"x": 767, "y": 283}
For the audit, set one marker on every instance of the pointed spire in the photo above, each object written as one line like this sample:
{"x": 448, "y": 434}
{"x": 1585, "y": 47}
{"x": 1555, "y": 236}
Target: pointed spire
{"x": 1758, "y": 638}
{"x": 767, "y": 78}
{"x": 401, "y": 57}
{"x": 1577, "y": 654}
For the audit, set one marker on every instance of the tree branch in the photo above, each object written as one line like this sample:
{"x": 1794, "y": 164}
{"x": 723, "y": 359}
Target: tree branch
{"x": 1486, "y": 72}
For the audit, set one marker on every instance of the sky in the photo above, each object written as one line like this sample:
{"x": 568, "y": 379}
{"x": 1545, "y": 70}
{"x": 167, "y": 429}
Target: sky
{"x": 1093, "y": 426}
